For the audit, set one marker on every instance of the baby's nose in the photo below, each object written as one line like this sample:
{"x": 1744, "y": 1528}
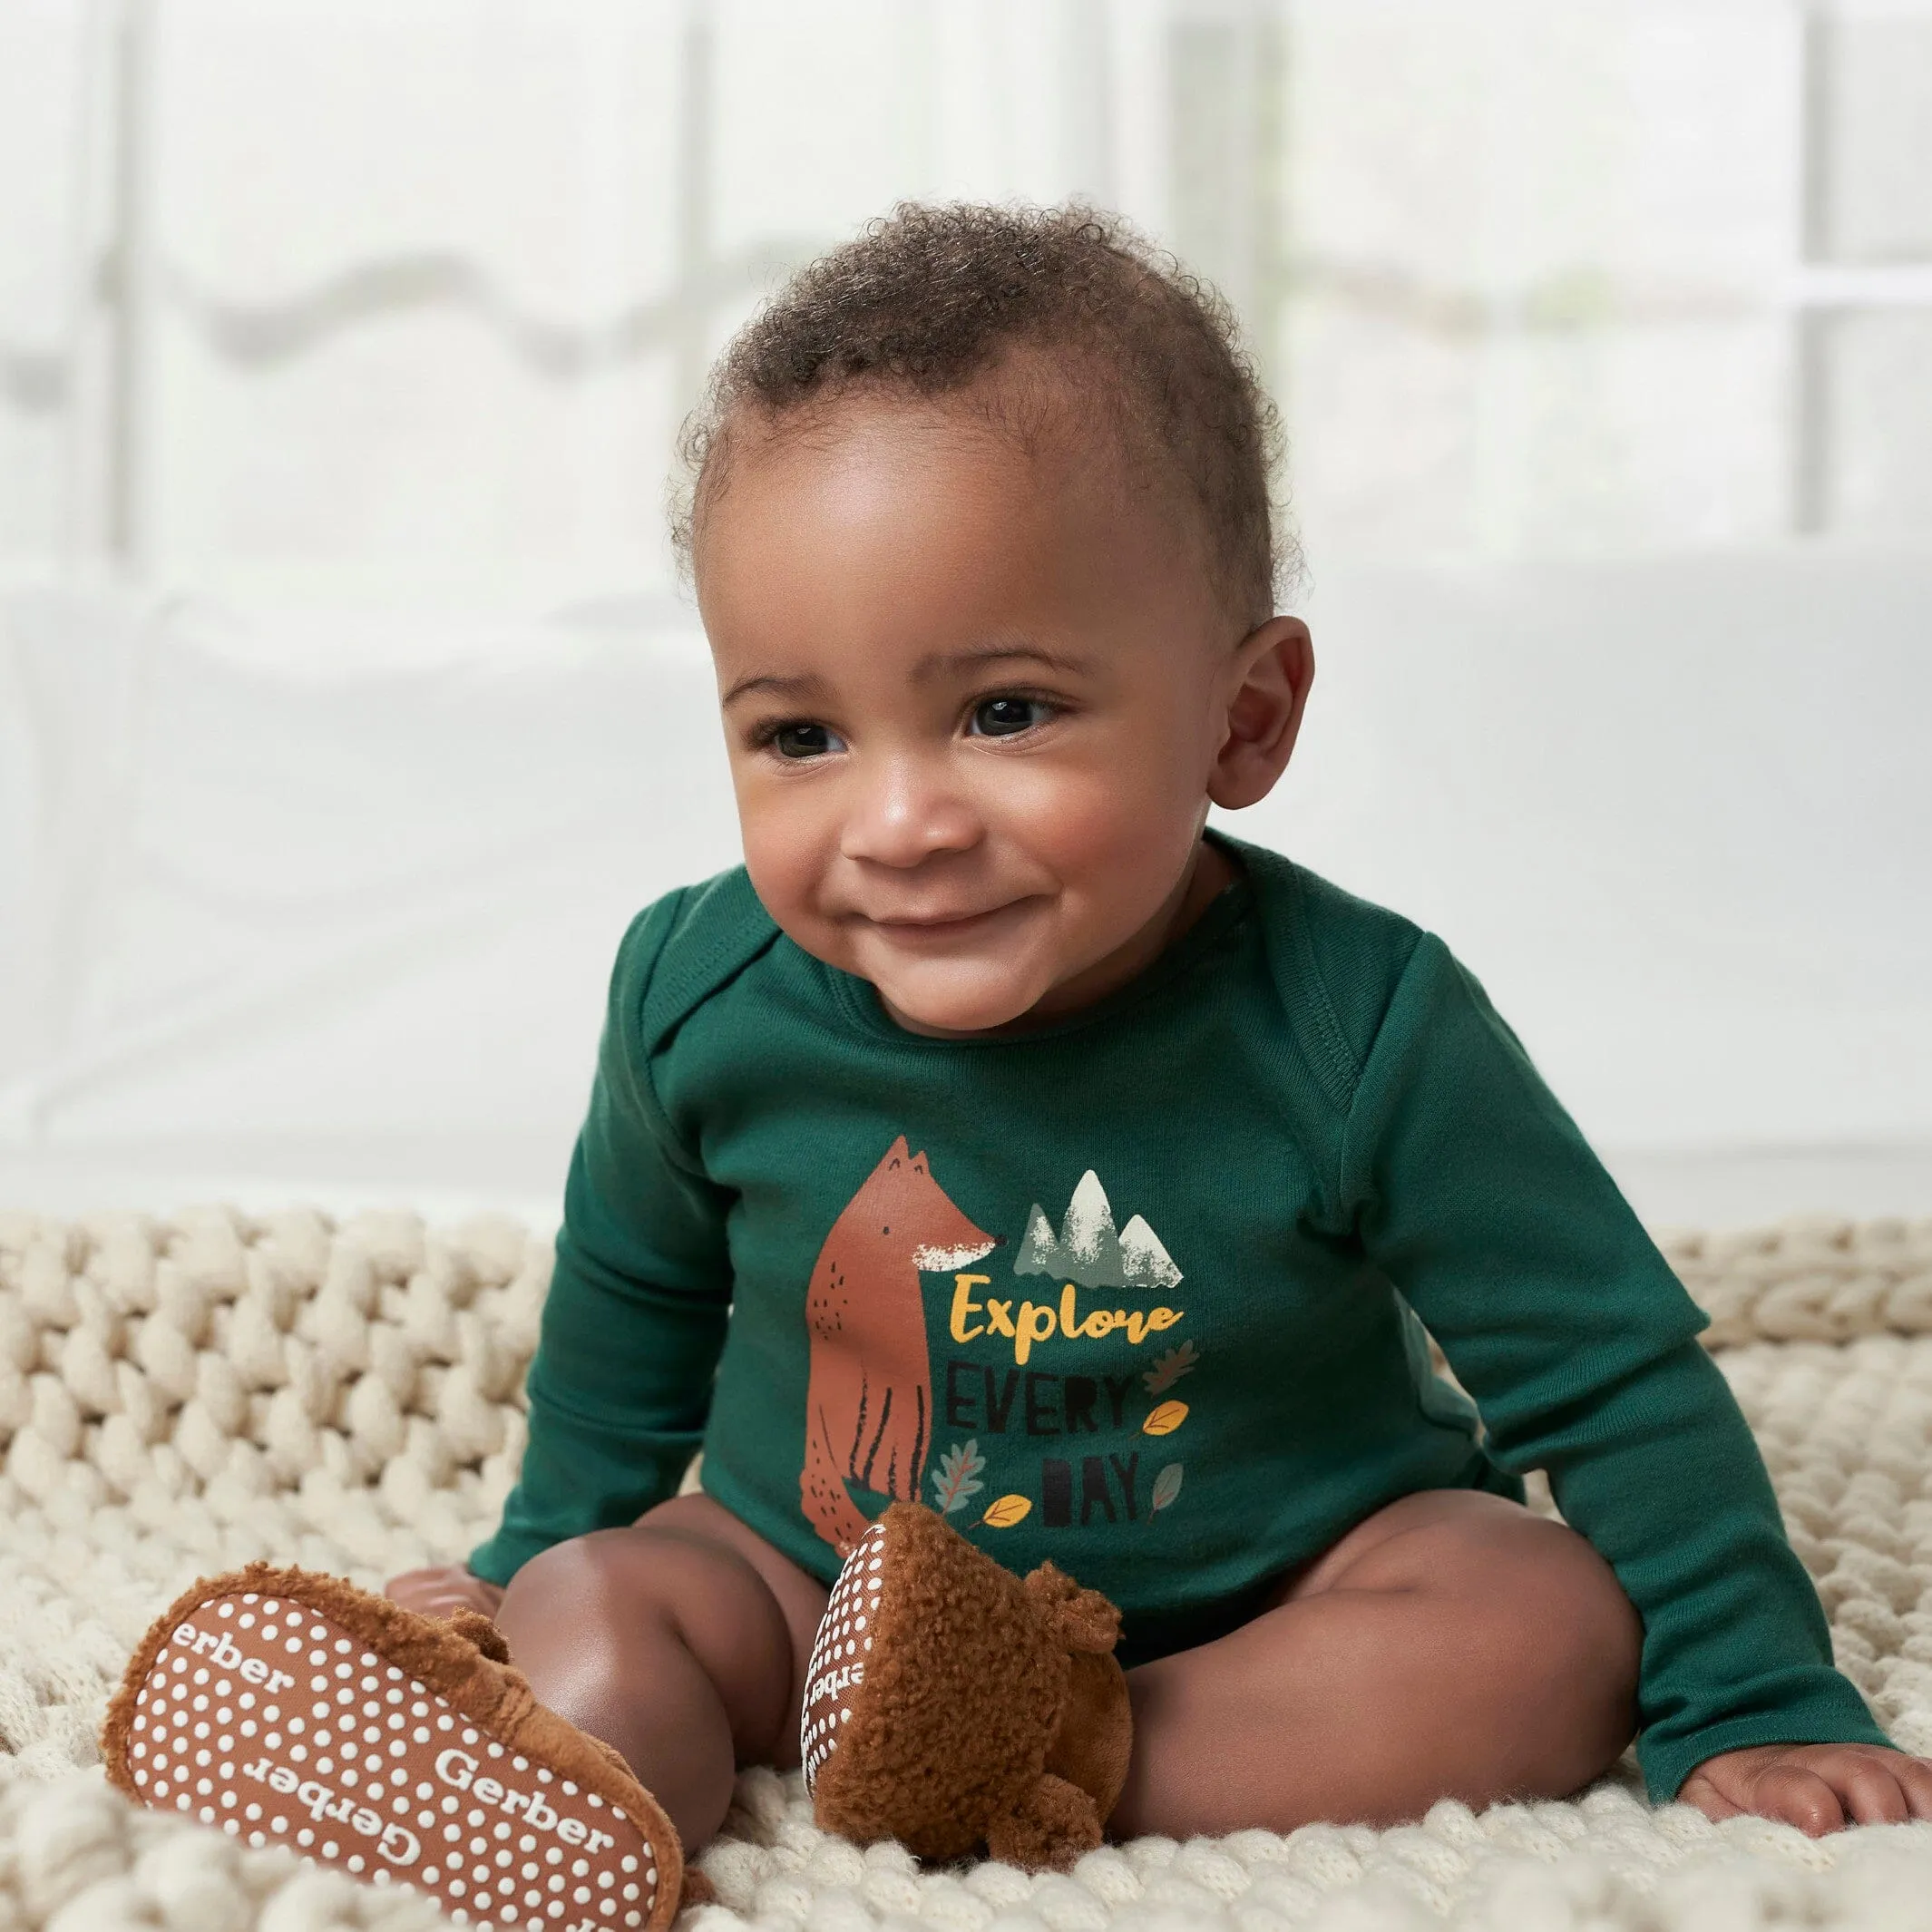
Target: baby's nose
{"x": 906, "y": 810}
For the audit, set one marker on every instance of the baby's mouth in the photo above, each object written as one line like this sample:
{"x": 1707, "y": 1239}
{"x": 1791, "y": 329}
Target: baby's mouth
{"x": 927, "y": 929}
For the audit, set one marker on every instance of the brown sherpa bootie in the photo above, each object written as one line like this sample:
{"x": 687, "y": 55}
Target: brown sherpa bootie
{"x": 288, "y": 1707}
{"x": 949, "y": 1704}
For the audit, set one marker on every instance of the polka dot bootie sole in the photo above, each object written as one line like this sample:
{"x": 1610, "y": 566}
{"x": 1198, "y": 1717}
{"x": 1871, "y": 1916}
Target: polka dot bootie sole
{"x": 288, "y": 1708}
{"x": 949, "y": 1704}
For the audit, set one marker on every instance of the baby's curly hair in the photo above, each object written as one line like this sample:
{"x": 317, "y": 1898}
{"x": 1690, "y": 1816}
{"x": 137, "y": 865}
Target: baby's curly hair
{"x": 927, "y": 299}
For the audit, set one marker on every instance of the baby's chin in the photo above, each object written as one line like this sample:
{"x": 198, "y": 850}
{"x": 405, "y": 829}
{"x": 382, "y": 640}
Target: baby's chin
{"x": 959, "y": 995}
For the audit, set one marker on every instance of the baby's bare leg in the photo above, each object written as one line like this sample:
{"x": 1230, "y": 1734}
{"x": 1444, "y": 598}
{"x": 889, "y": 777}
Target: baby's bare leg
{"x": 682, "y": 1640}
{"x": 1451, "y": 1645}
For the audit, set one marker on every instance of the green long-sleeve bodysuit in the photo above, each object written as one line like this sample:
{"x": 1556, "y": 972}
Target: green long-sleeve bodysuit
{"x": 1139, "y": 1292}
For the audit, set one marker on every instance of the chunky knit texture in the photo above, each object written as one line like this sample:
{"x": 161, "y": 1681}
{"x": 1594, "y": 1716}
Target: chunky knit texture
{"x": 180, "y": 1397}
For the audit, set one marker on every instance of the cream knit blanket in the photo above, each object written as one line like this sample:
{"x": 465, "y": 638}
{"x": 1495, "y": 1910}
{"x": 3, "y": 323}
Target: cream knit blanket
{"x": 179, "y": 1397}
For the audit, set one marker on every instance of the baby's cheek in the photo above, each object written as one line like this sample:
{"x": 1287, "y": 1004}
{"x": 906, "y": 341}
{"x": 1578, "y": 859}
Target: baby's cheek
{"x": 1111, "y": 833}
{"x": 786, "y": 854}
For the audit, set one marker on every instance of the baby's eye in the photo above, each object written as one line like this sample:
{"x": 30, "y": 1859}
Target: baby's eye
{"x": 1001, "y": 717}
{"x": 801, "y": 740}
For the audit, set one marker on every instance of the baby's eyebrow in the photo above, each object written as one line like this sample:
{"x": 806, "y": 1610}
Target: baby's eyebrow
{"x": 806, "y": 684}
{"x": 980, "y": 654}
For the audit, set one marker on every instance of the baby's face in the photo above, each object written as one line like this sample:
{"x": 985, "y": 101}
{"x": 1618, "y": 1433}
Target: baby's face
{"x": 973, "y": 701}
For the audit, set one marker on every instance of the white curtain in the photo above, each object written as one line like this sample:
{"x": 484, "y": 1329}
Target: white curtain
{"x": 406, "y": 296}
{"x": 347, "y": 339}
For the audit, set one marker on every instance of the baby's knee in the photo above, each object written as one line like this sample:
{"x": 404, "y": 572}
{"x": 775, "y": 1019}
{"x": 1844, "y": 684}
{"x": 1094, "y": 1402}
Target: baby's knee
{"x": 1597, "y": 1619}
{"x": 630, "y": 1573}
{"x": 1587, "y": 1647}
{"x": 664, "y": 1645}
{"x": 604, "y": 1593}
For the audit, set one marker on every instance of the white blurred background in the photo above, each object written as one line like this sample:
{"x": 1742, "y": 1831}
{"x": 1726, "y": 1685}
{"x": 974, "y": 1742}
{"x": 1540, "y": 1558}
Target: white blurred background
{"x": 348, "y": 706}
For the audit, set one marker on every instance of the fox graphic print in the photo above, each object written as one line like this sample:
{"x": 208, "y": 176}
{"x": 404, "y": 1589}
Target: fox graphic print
{"x": 874, "y": 1407}
{"x": 869, "y": 1392}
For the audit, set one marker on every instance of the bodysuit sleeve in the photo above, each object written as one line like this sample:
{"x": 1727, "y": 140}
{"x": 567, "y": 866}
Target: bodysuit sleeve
{"x": 634, "y": 1323}
{"x": 1475, "y": 1194}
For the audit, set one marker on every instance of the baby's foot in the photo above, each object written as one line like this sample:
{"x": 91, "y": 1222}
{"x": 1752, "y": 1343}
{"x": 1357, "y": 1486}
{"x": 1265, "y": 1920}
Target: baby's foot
{"x": 288, "y": 1707}
{"x": 948, "y": 1703}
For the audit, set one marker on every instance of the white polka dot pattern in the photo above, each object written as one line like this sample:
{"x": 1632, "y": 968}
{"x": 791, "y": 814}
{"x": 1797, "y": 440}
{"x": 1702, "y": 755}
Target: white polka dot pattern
{"x": 838, "y": 1651}
{"x": 266, "y": 1719}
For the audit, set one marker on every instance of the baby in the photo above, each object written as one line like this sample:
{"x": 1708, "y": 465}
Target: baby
{"x": 1001, "y": 1138}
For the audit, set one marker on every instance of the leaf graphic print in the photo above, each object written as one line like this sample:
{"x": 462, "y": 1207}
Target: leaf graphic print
{"x": 1169, "y": 1368}
{"x": 1167, "y": 1486}
{"x": 953, "y": 1478}
{"x": 1006, "y": 1512}
{"x": 1165, "y": 1419}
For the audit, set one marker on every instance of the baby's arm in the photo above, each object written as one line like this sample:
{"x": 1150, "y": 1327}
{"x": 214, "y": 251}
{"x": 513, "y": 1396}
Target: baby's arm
{"x": 1486, "y": 1208}
{"x": 633, "y": 1323}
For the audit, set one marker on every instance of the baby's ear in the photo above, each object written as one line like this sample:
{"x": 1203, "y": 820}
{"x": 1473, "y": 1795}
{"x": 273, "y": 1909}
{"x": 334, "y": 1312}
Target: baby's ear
{"x": 1081, "y": 1619}
{"x": 1274, "y": 666}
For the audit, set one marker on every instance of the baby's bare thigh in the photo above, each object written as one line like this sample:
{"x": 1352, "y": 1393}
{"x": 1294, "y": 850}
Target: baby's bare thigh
{"x": 1526, "y": 1612}
{"x": 800, "y": 1597}
{"x": 1453, "y": 1645}
{"x": 1453, "y": 1539}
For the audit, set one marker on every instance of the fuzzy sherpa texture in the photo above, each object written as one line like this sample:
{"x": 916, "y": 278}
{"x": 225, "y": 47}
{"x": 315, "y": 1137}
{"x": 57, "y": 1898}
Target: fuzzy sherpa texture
{"x": 180, "y": 1396}
{"x": 970, "y": 1726}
